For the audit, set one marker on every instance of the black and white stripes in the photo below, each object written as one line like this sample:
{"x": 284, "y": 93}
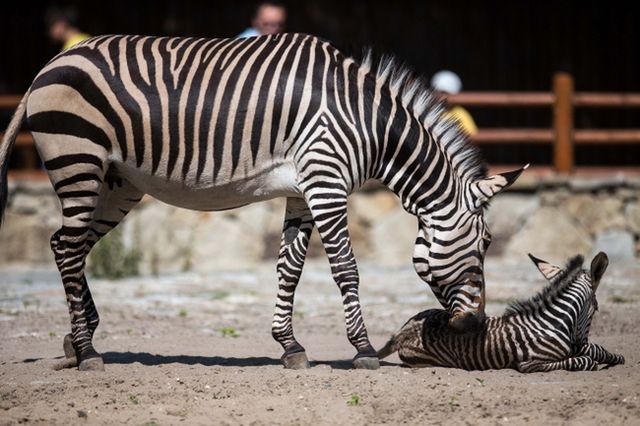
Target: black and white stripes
{"x": 212, "y": 124}
{"x": 547, "y": 332}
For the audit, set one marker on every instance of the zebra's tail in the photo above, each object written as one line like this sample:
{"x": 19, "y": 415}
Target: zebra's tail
{"x": 6, "y": 147}
{"x": 388, "y": 349}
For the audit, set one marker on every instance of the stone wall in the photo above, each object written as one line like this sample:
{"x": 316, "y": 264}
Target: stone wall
{"x": 553, "y": 218}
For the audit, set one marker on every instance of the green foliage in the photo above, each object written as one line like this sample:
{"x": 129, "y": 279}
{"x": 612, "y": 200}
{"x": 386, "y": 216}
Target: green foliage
{"x": 183, "y": 313}
{"x": 620, "y": 299}
{"x": 218, "y": 295}
{"x": 229, "y": 332}
{"x": 354, "y": 400}
{"x": 134, "y": 399}
{"x": 111, "y": 259}
{"x": 453, "y": 403}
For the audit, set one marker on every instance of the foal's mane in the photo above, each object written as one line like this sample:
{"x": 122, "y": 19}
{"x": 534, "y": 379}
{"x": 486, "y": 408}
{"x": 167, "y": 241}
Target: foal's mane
{"x": 416, "y": 96}
{"x": 556, "y": 286}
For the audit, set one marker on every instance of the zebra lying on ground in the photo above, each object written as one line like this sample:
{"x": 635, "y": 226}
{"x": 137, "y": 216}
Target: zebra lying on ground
{"x": 214, "y": 124}
{"x": 548, "y": 332}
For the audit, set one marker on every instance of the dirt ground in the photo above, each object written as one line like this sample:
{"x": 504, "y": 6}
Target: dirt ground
{"x": 196, "y": 349}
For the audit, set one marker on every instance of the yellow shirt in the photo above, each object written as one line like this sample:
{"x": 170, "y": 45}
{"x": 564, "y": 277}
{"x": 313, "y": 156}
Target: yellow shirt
{"x": 75, "y": 40}
{"x": 463, "y": 118}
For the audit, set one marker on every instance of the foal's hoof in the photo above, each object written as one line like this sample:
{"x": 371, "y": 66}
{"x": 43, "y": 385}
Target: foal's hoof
{"x": 67, "y": 346}
{"x": 91, "y": 364}
{"x": 295, "y": 361}
{"x": 366, "y": 363}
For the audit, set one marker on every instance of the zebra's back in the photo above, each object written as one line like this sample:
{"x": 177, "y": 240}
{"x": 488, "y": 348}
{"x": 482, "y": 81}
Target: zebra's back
{"x": 216, "y": 117}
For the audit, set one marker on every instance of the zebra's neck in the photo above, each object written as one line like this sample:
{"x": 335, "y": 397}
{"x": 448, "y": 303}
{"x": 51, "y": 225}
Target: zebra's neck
{"x": 561, "y": 311}
{"x": 414, "y": 165}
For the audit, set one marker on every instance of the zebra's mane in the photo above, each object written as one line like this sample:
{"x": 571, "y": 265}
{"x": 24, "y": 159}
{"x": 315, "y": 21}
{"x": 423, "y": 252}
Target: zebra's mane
{"x": 557, "y": 285}
{"x": 415, "y": 94}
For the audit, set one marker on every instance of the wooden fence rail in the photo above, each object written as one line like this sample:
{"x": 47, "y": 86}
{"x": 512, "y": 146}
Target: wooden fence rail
{"x": 562, "y": 101}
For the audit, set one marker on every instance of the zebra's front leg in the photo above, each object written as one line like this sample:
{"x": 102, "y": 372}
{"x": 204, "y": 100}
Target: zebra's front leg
{"x": 297, "y": 228}
{"x": 577, "y": 363}
{"x": 601, "y": 355}
{"x": 329, "y": 211}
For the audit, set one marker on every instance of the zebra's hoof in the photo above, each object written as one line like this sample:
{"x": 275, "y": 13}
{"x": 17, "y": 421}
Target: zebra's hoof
{"x": 91, "y": 364}
{"x": 366, "y": 363}
{"x": 295, "y": 361}
{"x": 67, "y": 346}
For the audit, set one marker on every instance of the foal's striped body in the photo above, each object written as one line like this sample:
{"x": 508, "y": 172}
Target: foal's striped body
{"x": 547, "y": 332}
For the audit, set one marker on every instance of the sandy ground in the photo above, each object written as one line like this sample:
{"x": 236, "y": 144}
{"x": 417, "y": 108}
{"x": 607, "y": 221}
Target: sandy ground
{"x": 169, "y": 362}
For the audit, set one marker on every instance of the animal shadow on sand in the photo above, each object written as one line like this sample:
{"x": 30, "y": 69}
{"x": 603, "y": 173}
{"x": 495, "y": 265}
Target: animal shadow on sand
{"x": 148, "y": 359}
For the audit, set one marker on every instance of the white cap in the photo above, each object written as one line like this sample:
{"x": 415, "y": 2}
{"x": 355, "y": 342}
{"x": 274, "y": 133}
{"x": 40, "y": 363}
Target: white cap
{"x": 446, "y": 81}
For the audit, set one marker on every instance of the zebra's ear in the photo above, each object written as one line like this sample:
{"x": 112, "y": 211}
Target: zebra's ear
{"x": 598, "y": 267}
{"x": 483, "y": 189}
{"x": 547, "y": 270}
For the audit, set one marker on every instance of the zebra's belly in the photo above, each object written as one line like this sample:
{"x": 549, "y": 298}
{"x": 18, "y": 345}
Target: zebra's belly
{"x": 279, "y": 180}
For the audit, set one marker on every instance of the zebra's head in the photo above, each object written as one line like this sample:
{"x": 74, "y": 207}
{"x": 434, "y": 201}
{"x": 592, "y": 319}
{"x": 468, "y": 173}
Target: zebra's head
{"x": 450, "y": 248}
{"x": 584, "y": 284}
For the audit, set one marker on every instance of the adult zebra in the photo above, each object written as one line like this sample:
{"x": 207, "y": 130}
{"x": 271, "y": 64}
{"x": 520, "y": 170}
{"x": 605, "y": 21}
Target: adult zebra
{"x": 548, "y": 332}
{"x": 212, "y": 124}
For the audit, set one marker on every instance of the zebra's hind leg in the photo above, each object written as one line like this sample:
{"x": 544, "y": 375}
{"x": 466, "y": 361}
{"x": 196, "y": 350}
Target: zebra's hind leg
{"x": 329, "y": 210}
{"x": 578, "y": 363}
{"x": 297, "y": 228}
{"x": 116, "y": 197}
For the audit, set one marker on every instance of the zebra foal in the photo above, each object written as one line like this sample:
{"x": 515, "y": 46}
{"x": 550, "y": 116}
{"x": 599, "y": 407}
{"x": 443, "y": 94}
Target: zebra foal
{"x": 548, "y": 332}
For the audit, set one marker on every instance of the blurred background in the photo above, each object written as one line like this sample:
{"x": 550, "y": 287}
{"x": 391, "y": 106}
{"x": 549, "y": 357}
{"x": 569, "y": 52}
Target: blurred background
{"x": 550, "y": 83}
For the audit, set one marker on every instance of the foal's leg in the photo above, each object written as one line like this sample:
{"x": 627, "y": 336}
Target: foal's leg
{"x": 578, "y": 363}
{"x": 296, "y": 231}
{"x": 601, "y": 355}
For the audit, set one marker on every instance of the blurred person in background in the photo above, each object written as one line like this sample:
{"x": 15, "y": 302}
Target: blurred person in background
{"x": 270, "y": 17}
{"x": 62, "y": 26}
{"x": 448, "y": 83}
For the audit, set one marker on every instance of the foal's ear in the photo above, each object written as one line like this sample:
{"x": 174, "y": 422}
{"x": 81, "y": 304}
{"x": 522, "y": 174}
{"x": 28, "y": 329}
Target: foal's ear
{"x": 483, "y": 189}
{"x": 547, "y": 270}
{"x": 598, "y": 267}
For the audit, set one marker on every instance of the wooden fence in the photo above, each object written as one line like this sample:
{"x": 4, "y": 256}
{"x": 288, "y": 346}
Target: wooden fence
{"x": 562, "y": 100}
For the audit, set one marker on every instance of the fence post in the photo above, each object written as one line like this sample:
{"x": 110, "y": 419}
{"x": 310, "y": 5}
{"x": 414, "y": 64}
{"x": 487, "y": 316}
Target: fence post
{"x": 563, "y": 160}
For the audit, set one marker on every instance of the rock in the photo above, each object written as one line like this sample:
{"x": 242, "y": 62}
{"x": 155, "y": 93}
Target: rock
{"x": 25, "y": 238}
{"x": 551, "y": 234}
{"x": 578, "y": 183}
{"x": 393, "y": 237}
{"x": 505, "y": 217}
{"x": 186, "y": 240}
{"x": 628, "y": 194}
{"x": 554, "y": 197}
{"x": 369, "y": 208}
{"x": 632, "y": 215}
{"x": 618, "y": 245}
{"x": 595, "y": 213}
